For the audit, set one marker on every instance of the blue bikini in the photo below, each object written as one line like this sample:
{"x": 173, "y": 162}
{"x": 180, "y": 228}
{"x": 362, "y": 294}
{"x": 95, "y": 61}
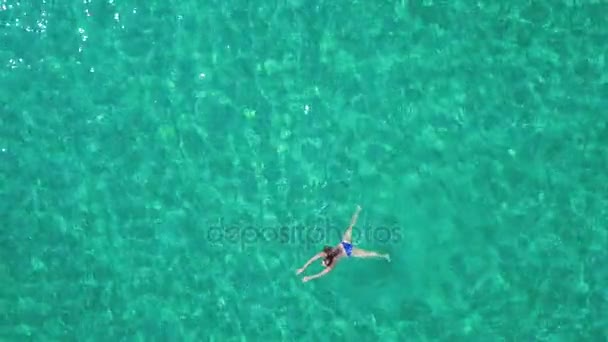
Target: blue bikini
{"x": 348, "y": 247}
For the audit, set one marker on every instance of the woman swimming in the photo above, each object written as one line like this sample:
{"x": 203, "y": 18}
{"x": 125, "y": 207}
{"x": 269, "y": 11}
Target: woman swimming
{"x": 331, "y": 256}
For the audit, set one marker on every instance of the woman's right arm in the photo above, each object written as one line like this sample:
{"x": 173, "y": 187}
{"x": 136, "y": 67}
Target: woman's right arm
{"x": 317, "y": 256}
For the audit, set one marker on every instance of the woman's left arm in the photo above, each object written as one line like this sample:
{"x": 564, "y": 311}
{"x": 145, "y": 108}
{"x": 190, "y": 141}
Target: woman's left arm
{"x": 317, "y": 256}
{"x": 320, "y": 274}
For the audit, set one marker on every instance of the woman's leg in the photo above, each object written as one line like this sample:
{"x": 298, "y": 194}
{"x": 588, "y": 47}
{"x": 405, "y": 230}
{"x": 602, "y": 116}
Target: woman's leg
{"x": 362, "y": 253}
{"x": 349, "y": 231}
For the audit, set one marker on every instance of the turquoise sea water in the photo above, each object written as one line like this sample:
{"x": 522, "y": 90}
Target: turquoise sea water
{"x": 166, "y": 166}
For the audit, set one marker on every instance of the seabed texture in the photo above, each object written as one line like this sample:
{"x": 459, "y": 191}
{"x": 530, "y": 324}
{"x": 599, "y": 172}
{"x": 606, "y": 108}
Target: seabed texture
{"x": 167, "y": 166}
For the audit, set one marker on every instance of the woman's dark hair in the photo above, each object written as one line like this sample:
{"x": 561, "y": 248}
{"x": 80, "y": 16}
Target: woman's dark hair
{"x": 330, "y": 254}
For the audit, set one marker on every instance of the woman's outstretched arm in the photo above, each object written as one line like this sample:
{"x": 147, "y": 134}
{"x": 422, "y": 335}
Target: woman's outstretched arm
{"x": 317, "y": 256}
{"x": 320, "y": 274}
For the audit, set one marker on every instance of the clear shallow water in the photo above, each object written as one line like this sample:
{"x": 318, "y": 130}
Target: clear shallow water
{"x": 165, "y": 167}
